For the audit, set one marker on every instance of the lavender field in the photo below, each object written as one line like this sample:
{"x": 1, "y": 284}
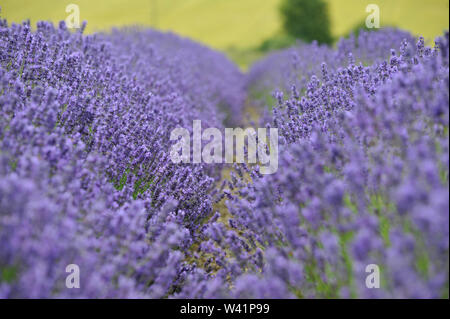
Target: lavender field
{"x": 86, "y": 177}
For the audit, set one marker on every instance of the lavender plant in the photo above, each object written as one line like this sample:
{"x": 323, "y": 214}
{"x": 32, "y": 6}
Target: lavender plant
{"x": 86, "y": 176}
{"x": 85, "y": 172}
{"x": 295, "y": 66}
{"x": 363, "y": 180}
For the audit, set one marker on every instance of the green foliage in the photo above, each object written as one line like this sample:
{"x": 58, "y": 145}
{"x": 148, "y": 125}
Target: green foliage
{"x": 8, "y": 274}
{"x": 244, "y": 57}
{"x": 280, "y": 41}
{"x": 344, "y": 241}
{"x": 307, "y": 20}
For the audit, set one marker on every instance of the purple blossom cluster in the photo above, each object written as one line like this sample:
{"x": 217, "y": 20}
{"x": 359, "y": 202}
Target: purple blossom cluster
{"x": 86, "y": 176}
{"x": 362, "y": 180}
{"x": 295, "y": 66}
{"x": 85, "y": 170}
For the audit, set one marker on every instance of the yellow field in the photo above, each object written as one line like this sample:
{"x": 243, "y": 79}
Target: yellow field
{"x": 225, "y": 24}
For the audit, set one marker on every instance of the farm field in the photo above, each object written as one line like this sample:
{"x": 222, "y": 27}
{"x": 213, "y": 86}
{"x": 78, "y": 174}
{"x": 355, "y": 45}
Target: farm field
{"x": 125, "y": 172}
{"x": 247, "y": 22}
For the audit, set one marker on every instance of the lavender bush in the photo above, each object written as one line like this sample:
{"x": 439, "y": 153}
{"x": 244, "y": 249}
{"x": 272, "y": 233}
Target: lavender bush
{"x": 85, "y": 170}
{"x": 86, "y": 177}
{"x": 363, "y": 180}
{"x": 295, "y": 66}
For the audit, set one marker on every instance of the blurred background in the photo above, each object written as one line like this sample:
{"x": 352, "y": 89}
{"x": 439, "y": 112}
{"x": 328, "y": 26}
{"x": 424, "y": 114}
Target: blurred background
{"x": 244, "y": 29}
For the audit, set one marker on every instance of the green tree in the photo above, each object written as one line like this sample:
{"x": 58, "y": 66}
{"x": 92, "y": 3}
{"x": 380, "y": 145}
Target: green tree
{"x": 307, "y": 20}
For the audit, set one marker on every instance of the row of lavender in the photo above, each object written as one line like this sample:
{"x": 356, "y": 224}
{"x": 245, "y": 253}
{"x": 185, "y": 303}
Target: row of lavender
{"x": 362, "y": 180}
{"x": 295, "y": 66}
{"x": 85, "y": 174}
